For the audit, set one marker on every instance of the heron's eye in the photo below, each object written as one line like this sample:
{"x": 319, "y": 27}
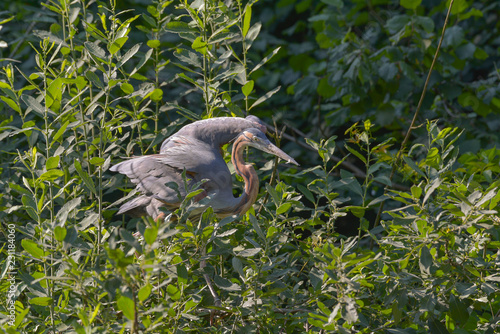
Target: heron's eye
{"x": 255, "y": 138}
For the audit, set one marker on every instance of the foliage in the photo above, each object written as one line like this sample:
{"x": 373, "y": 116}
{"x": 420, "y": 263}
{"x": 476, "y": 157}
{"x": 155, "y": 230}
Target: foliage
{"x": 100, "y": 81}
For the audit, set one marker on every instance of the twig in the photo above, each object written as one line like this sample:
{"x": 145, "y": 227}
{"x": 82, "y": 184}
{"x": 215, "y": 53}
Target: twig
{"x": 414, "y": 120}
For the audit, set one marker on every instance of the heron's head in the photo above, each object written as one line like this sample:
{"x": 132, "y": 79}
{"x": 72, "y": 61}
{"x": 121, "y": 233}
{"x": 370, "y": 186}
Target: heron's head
{"x": 256, "y": 138}
{"x": 258, "y": 123}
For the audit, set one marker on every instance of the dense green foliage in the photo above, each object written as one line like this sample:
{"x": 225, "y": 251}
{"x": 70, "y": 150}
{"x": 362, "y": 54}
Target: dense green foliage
{"x": 85, "y": 83}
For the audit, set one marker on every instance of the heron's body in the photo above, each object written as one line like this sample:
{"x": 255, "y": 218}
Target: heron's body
{"x": 196, "y": 151}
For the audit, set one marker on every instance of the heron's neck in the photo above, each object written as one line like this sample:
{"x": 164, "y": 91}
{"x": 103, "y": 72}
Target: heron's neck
{"x": 247, "y": 172}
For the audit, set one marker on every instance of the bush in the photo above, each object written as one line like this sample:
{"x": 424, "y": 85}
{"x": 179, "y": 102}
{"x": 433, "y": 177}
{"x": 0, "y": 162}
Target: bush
{"x": 108, "y": 82}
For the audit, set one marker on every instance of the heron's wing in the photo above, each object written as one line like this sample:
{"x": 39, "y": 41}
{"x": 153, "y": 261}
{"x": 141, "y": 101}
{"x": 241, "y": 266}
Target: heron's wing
{"x": 151, "y": 176}
{"x": 152, "y": 173}
{"x": 215, "y": 132}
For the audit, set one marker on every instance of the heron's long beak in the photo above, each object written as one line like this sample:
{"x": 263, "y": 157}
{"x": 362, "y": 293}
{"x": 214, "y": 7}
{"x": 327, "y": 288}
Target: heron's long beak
{"x": 272, "y": 149}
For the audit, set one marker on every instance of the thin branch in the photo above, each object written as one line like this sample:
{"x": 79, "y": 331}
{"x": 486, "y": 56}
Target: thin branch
{"x": 414, "y": 120}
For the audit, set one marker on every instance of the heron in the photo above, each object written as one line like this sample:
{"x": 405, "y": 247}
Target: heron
{"x": 199, "y": 156}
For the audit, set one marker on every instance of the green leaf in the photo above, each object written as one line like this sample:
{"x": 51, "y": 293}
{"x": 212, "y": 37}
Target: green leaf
{"x": 356, "y": 153}
{"x": 306, "y": 193}
{"x": 416, "y": 191}
{"x": 153, "y": 43}
{"x": 67, "y": 208}
{"x": 96, "y": 161}
{"x": 200, "y": 45}
{"x": 283, "y": 208}
{"x": 335, "y": 3}
{"x": 247, "y": 88}
{"x": 265, "y": 59}
{"x": 458, "y": 6}
{"x": 173, "y": 292}
{"x": 436, "y": 327}
{"x": 458, "y": 310}
{"x": 246, "y": 20}
{"x": 87, "y": 181}
{"x": 273, "y": 193}
{"x": 226, "y": 284}
{"x": 54, "y": 94}
{"x": 32, "y": 248}
{"x": 179, "y": 27}
{"x": 95, "y": 50}
{"x": 238, "y": 266}
{"x": 51, "y": 175}
{"x": 94, "y": 79}
{"x": 150, "y": 235}
{"x": 11, "y": 103}
{"x": 52, "y": 162}
{"x": 265, "y": 97}
{"x": 33, "y": 104}
{"x": 126, "y": 305}
{"x": 425, "y": 261}
{"x": 127, "y": 88}
{"x": 40, "y": 301}
{"x": 182, "y": 274}
{"x": 129, "y": 54}
{"x": 156, "y": 95}
{"x": 249, "y": 252}
{"x": 144, "y": 292}
{"x": 117, "y": 45}
{"x": 410, "y": 4}
{"x": 60, "y": 233}
{"x": 414, "y": 166}
{"x": 252, "y": 35}
{"x": 61, "y": 131}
